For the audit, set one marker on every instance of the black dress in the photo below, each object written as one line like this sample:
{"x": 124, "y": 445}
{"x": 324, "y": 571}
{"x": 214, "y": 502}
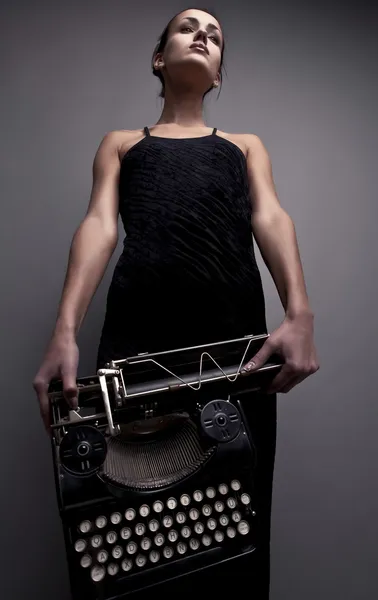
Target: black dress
{"x": 188, "y": 274}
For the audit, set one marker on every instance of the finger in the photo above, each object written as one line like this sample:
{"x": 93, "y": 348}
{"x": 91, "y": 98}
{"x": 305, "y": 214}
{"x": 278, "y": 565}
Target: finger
{"x": 259, "y": 359}
{"x": 284, "y": 377}
{"x": 41, "y": 388}
{"x": 70, "y": 385}
{"x": 292, "y": 384}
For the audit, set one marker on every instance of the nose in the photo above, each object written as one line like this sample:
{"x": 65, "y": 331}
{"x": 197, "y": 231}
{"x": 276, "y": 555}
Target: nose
{"x": 201, "y": 36}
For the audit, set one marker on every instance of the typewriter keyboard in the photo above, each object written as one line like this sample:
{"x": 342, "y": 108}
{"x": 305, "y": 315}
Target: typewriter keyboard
{"x": 168, "y": 528}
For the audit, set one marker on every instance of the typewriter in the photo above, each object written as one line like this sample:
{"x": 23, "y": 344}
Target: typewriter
{"x": 154, "y": 470}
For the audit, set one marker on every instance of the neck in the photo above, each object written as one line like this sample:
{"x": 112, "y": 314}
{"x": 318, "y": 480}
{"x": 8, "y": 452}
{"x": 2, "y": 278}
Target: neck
{"x": 182, "y": 109}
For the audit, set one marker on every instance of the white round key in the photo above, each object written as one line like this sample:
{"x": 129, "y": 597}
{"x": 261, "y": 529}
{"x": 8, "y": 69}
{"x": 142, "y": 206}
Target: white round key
{"x": 185, "y": 500}
{"x": 185, "y": 532}
{"x": 140, "y": 529}
{"x": 116, "y": 518}
{"x": 172, "y": 535}
{"x": 158, "y": 506}
{"x": 219, "y": 536}
{"x": 198, "y": 496}
{"x": 80, "y": 545}
{"x": 243, "y": 527}
{"x": 168, "y": 521}
{"x": 113, "y": 569}
{"x": 131, "y": 548}
{"x": 181, "y": 517}
{"x": 181, "y": 547}
{"x": 130, "y": 514}
{"x": 231, "y": 532}
{"x": 236, "y": 516}
{"x": 235, "y": 485}
{"x": 102, "y": 556}
{"x": 117, "y": 552}
{"x": 206, "y": 510}
{"x": 101, "y": 522}
{"x": 140, "y": 560}
{"x": 111, "y": 537}
{"x": 154, "y": 556}
{"x": 168, "y": 552}
{"x": 96, "y": 541}
{"x": 144, "y": 510}
{"x": 223, "y": 489}
{"x": 127, "y": 564}
{"x": 85, "y": 526}
{"x": 223, "y": 520}
{"x": 86, "y": 561}
{"x": 159, "y": 539}
{"x": 194, "y": 514}
{"x": 210, "y": 492}
{"x": 194, "y": 544}
{"x": 231, "y": 503}
{"x": 98, "y": 573}
{"x": 206, "y": 540}
{"x": 199, "y": 528}
{"x": 219, "y": 506}
{"x": 126, "y": 533}
{"x": 145, "y": 544}
{"x": 171, "y": 503}
{"x": 153, "y": 525}
{"x": 211, "y": 524}
{"x": 245, "y": 498}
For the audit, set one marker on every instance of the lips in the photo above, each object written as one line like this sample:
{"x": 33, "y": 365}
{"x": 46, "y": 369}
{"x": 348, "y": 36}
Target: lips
{"x": 200, "y": 47}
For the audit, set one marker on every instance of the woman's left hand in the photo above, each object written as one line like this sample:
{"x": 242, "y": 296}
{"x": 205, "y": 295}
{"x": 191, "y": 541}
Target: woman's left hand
{"x": 294, "y": 342}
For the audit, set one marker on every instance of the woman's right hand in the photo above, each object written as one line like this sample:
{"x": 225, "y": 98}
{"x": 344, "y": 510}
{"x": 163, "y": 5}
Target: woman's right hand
{"x": 60, "y": 362}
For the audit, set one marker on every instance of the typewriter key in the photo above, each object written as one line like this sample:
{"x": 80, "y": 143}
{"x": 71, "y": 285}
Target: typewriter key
{"x": 80, "y": 545}
{"x": 231, "y": 532}
{"x": 102, "y": 556}
{"x": 116, "y": 518}
{"x": 85, "y": 526}
{"x": 111, "y": 537}
{"x": 235, "y": 485}
{"x": 219, "y": 536}
{"x": 101, "y": 522}
{"x": 243, "y": 527}
{"x": 144, "y": 510}
{"x": 126, "y": 533}
{"x": 140, "y": 529}
{"x": 198, "y": 496}
{"x": 185, "y": 500}
{"x": 127, "y": 564}
{"x": 236, "y": 516}
{"x": 172, "y": 535}
{"x": 194, "y": 544}
{"x": 171, "y": 503}
{"x": 181, "y": 547}
{"x": 199, "y": 528}
{"x": 245, "y": 498}
{"x": 117, "y": 552}
{"x": 223, "y": 520}
{"x": 181, "y": 517}
{"x": 210, "y": 492}
{"x": 231, "y": 503}
{"x": 159, "y": 539}
{"x": 113, "y": 569}
{"x": 86, "y": 561}
{"x": 154, "y": 556}
{"x": 131, "y": 548}
{"x": 185, "y": 532}
{"x": 153, "y": 525}
{"x": 219, "y": 506}
{"x": 193, "y": 514}
{"x": 96, "y": 541}
{"x": 97, "y": 573}
{"x": 140, "y": 560}
{"x": 130, "y": 514}
{"x": 206, "y": 540}
{"x": 223, "y": 489}
{"x": 158, "y": 506}
{"x": 168, "y": 552}
{"x": 206, "y": 510}
{"x": 168, "y": 521}
{"x": 211, "y": 524}
{"x": 145, "y": 544}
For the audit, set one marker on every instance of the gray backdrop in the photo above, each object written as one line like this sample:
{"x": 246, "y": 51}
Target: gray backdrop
{"x": 302, "y": 77}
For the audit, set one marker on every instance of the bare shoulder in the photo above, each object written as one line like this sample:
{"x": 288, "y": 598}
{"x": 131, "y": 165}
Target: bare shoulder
{"x": 126, "y": 140}
{"x": 247, "y": 142}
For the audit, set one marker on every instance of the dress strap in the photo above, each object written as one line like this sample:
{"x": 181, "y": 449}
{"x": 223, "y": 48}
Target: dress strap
{"x": 146, "y": 131}
{"x": 214, "y": 131}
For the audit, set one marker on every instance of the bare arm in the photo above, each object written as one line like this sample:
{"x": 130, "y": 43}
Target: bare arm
{"x": 94, "y": 241}
{"x": 92, "y": 247}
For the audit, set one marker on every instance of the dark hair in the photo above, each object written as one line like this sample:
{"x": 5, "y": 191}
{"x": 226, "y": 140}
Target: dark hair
{"x": 162, "y": 40}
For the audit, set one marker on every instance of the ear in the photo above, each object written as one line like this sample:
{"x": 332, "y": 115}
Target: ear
{"x": 158, "y": 62}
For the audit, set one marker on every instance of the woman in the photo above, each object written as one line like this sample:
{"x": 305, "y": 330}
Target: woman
{"x": 189, "y": 197}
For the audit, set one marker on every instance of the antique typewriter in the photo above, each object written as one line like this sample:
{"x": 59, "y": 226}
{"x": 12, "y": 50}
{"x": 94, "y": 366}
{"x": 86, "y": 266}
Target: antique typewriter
{"x": 154, "y": 470}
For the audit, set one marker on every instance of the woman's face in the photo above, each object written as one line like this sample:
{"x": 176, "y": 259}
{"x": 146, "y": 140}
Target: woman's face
{"x": 184, "y": 61}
